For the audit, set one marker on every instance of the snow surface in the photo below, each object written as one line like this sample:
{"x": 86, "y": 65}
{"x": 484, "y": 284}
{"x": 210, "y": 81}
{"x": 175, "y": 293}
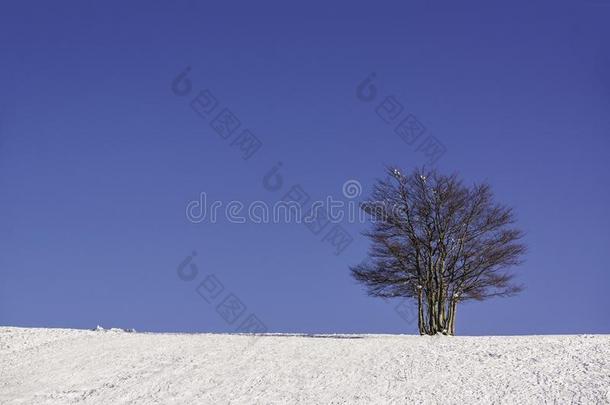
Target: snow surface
{"x": 62, "y": 366}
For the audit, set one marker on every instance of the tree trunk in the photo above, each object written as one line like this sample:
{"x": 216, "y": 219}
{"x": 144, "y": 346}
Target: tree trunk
{"x": 431, "y": 320}
{"x": 451, "y": 318}
{"x": 453, "y": 312}
{"x": 434, "y": 315}
{"x": 421, "y": 323}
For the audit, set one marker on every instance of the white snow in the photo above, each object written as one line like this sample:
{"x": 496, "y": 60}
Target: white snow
{"x": 63, "y": 366}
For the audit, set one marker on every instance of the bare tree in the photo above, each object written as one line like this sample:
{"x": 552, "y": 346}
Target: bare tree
{"x": 440, "y": 243}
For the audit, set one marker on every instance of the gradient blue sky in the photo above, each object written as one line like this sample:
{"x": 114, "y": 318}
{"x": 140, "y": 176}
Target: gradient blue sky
{"x": 98, "y": 158}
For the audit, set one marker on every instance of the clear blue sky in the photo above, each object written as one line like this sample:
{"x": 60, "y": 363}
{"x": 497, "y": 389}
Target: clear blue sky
{"x": 98, "y": 157}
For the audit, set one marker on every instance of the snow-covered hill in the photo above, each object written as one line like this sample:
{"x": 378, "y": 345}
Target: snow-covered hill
{"x": 62, "y": 366}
